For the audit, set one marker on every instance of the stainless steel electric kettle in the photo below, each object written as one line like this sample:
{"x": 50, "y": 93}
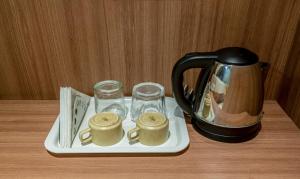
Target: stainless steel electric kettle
{"x": 228, "y": 97}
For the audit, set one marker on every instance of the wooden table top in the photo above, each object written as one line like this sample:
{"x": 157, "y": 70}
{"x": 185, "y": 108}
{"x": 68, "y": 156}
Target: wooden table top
{"x": 24, "y": 125}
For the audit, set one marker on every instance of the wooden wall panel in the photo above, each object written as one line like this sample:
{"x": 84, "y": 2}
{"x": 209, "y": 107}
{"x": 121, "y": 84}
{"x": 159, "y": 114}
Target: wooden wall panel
{"x": 289, "y": 97}
{"x": 51, "y": 43}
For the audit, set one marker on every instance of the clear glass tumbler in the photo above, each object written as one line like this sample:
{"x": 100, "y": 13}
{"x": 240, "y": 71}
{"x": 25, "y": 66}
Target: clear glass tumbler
{"x": 147, "y": 97}
{"x": 109, "y": 97}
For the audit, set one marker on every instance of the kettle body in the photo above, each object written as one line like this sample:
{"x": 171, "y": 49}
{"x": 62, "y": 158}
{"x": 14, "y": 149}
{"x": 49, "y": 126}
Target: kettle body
{"x": 228, "y": 98}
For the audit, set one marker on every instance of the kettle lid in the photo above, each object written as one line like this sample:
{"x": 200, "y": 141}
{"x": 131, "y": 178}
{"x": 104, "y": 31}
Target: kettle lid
{"x": 236, "y": 56}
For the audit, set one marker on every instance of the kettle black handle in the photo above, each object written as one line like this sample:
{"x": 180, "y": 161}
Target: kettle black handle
{"x": 205, "y": 61}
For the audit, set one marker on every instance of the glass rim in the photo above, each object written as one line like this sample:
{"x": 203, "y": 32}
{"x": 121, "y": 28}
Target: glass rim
{"x": 98, "y": 86}
{"x": 136, "y": 93}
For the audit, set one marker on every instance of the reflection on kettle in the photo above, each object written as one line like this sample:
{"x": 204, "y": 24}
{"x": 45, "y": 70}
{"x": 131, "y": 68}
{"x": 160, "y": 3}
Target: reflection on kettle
{"x": 229, "y": 95}
{"x": 221, "y": 96}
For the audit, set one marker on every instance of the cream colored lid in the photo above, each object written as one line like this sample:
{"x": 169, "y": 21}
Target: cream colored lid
{"x": 152, "y": 119}
{"x": 104, "y": 119}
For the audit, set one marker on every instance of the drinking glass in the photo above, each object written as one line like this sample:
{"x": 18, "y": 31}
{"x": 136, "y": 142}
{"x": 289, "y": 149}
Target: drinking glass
{"x": 147, "y": 97}
{"x": 109, "y": 97}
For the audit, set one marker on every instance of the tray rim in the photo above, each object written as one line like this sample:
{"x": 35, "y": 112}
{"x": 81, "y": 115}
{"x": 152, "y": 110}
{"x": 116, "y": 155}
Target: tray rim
{"x": 185, "y": 140}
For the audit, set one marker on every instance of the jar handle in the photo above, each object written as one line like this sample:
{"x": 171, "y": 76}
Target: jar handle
{"x": 85, "y": 140}
{"x": 135, "y": 137}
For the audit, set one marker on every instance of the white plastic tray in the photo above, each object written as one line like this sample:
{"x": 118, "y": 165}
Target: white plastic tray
{"x": 178, "y": 140}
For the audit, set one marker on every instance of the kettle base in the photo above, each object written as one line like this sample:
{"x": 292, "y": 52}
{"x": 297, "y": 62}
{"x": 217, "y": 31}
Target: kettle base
{"x": 223, "y": 134}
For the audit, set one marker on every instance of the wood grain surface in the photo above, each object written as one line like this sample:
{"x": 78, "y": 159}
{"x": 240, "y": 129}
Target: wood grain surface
{"x": 274, "y": 153}
{"x": 52, "y": 43}
{"x": 289, "y": 97}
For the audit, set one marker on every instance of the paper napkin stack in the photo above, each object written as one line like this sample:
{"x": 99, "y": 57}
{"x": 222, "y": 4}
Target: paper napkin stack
{"x": 73, "y": 106}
